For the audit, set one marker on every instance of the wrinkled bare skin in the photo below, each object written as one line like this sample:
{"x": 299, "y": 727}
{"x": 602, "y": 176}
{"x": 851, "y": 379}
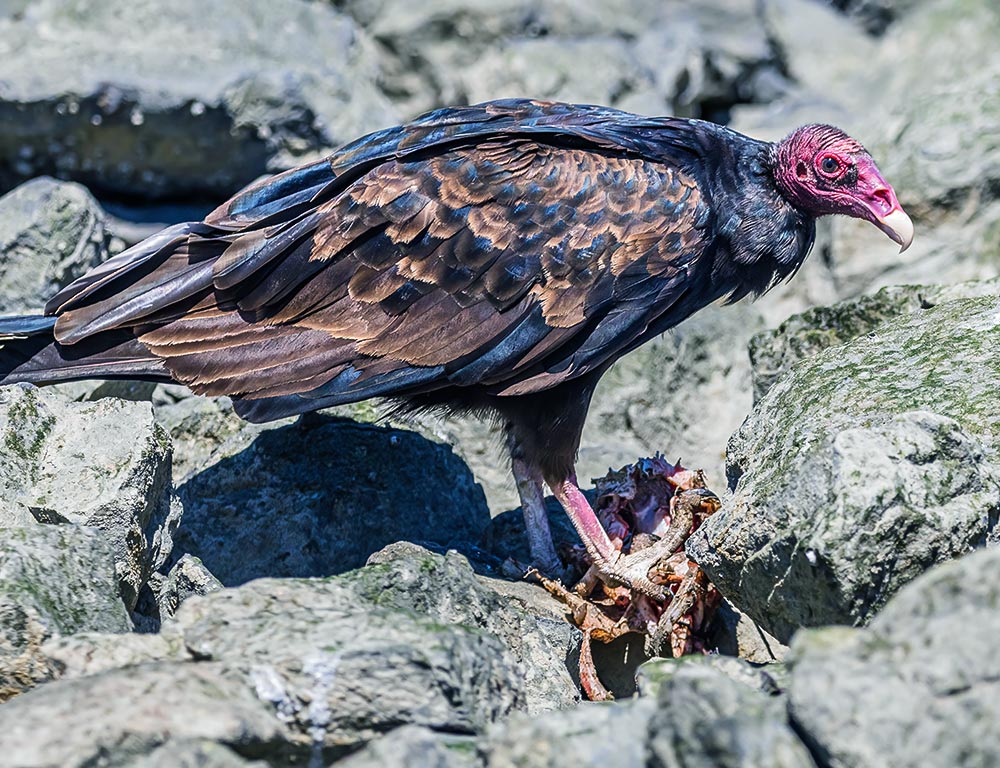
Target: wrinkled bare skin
{"x": 647, "y": 507}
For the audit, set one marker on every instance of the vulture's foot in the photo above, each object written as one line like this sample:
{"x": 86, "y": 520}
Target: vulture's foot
{"x": 610, "y": 564}
{"x": 645, "y": 511}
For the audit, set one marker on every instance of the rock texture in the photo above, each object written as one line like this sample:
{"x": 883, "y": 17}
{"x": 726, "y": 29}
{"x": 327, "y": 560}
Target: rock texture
{"x": 301, "y": 668}
{"x": 187, "y": 578}
{"x": 317, "y": 655}
{"x": 469, "y": 50}
{"x": 50, "y": 234}
{"x": 528, "y": 622}
{"x": 863, "y": 467}
{"x": 104, "y": 464}
{"x": 53, "y": 581}
{"x": 187, "y": 99}
{"x": 927, "y": 660}
{"x": 127, "y": 714}
{"x": 773, "y": 353}
{"x": 698, "y": 717}
{"x": 319, "y": 496}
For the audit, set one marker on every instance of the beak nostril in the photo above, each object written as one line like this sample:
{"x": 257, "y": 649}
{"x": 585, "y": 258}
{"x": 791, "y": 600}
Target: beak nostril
{"x": 883, "y": 200}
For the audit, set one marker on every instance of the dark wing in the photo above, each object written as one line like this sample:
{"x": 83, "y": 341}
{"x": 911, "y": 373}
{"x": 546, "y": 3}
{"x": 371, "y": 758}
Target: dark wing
{"x": 509, "y": 247}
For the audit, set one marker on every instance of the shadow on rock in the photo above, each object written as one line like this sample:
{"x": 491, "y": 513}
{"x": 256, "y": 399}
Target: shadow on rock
{"x": 318, "y": 497}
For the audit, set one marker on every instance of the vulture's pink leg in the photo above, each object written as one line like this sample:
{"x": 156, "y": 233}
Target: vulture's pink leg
{"x": 611, "y": 564}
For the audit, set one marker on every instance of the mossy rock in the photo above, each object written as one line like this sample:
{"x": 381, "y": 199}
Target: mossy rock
{"x": 54, "y": 581}
{"x": 863, "y": 467}
{"x": 773, "y": 353}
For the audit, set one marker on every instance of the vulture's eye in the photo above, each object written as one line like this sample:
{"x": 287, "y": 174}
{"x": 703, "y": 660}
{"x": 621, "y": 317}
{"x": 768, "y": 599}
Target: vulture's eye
{"x": 830, "y": 165}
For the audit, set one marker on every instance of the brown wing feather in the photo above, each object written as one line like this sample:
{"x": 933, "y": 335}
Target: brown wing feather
{"x": 475, "y": 265}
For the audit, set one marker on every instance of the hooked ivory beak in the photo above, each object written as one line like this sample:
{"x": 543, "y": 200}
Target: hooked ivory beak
{"x": 897, "y": 225}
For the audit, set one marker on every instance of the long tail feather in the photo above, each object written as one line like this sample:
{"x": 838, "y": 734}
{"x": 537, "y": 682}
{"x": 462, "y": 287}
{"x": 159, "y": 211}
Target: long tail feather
{"x": 29, "y": 353}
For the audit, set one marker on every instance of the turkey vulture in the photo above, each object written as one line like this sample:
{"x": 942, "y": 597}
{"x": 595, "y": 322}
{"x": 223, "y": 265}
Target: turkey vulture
{"x": 494, "y": 259}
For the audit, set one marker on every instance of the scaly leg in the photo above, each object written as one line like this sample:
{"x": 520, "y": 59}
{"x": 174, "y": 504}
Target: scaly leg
{"x": 536, "y": 518}
{"x": 611, "y": 564}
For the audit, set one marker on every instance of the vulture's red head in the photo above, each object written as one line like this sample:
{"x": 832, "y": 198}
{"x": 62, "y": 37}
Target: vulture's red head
{"x": 822, "y": 170}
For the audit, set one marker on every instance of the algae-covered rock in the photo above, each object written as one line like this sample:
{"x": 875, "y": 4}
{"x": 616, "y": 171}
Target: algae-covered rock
{"x": 529, "y": 622}
{"x": 918, "y": 687}
{"x": 774, "y": 352}
{"x": 860, "y": 469}
{"x": 187, "y": 98}
{"x": 51, "y": 232}
{"x": 104, "y": 464}
{"x": 54, "y": 580}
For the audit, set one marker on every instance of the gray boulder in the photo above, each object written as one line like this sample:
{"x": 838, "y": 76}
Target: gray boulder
{"x": 54, "y": 581}
{"x": 319, "y": 496}
{"x": 774, "y": 352}
{"x": 859, "y": 470}
{"x": 124, "y": 715}
{"x": 414, "y": 745}
{"x": 919, "y": 687}
{"x": 588, "y": 736}
{"x": 699, "y": 716}
{"x": 706, "y": 719}
{"x": 90, "y": 653}
{"x": 194, "y": 753}
{"x": 104, "y": 464}
{"x": 186, "y": 99}
{"x": 50, "y": 234}
{"x": 341, "y": 670}
{"x": 524, "y": 617}
{"x": 653, "y": 676}
{"x": 736, "y": 634}
{"x": 707, "y": 55}
{"x": 187, "y": 577}
{"x": 415, "y": 638}
{"x": 298, "y": 670}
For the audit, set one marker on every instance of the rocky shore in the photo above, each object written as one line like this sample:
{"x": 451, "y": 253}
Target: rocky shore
{"x": 180, "y": 588}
